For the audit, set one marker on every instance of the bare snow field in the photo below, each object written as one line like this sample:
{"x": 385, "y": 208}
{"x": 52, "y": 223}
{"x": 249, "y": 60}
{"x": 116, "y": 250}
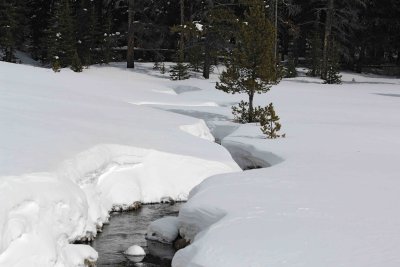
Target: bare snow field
{"x": 74, "y": 146}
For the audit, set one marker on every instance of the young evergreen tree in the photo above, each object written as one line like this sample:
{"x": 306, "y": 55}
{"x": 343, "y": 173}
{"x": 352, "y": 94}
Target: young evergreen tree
{"x": 269, "y": 122}
{"x": 251, "y": 68}
{"x": 76, "y": 64}
{"x": 333, "y": 75}
{"x": 55, "y": 64}
{"x": 162, "y": 68}
{"x": 179, "y": 71}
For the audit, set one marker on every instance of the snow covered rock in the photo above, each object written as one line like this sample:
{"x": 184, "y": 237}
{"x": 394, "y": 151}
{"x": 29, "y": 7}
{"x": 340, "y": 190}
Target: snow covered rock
{"x": 135, "y": 250}
{"x": 164, "y": 230}
{"x": 135, "y": 253}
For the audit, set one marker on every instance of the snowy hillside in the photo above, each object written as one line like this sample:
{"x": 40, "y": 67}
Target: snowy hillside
{"x": 74, "y": 146}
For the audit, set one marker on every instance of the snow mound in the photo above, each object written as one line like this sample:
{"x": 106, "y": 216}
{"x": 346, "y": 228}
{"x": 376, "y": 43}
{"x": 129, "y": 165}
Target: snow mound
{"x": 135, "y": 250}
{"x": 164, "y": 230}
{"x": 198, "y": 129}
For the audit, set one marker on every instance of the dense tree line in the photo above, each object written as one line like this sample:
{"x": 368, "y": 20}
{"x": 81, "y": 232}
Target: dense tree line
{"x": 325, "y": 35}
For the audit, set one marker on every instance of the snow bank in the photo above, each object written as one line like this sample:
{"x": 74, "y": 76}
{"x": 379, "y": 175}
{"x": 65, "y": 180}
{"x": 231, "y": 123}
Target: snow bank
{"x": 164, "y": 230}
{"x": 72, "y": 148}
{"x": 332, "y": 200}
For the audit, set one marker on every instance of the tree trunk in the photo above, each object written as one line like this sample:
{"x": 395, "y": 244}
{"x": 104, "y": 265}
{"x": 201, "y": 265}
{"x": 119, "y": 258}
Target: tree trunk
{"x": 276, "y": 32}
{"x": 251, "y": 107}
{"x": 327, "y": 37}
{"x": 207, "y": 58}
{"x": 130, "y": 60}
{"x": 207, "y": 49}
{"x": 181, "y": 41}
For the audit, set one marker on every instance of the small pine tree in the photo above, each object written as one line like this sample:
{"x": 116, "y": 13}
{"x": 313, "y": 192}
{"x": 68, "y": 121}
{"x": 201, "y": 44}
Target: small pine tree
{"x": 333, "y": 74}
{"x": 269, "y": 122}
{"x": 179, "y": 72}
{"x": 251, "y": 68}
{"x": 76, "y": 64}
{"x": 55, "y": 64}
{"x": 157, "y": 65}
{"x": 158, "y": 59}
{"x": 162, "y": 68}
{"x": 241, "y": 112}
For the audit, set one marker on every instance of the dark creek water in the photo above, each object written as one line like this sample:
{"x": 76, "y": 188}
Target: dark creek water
{"x": 129, "y": 228}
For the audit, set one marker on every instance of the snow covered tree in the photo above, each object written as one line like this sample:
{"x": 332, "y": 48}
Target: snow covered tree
{"x": 251, "y": 67}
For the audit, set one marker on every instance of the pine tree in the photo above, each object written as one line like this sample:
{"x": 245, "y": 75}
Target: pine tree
{"x": 55, "y": 64}
{"x": 76, "y": 64}
{"x": 269, "y": 122}
{"x": 179, "y": 72}
{"x": 251, "y": 67}
{"x": 162, "y": 68}
{"x": 333, "y": 75}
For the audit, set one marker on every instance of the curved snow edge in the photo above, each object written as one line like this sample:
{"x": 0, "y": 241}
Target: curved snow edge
{"x": 51, "y": 210}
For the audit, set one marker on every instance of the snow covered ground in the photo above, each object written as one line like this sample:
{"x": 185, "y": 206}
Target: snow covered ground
{"x": 74, "y": 146}
{"x": 332, "y": 195}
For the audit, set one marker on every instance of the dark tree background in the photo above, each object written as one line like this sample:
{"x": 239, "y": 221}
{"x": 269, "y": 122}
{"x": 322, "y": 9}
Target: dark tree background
{"x": 359, "y": 35}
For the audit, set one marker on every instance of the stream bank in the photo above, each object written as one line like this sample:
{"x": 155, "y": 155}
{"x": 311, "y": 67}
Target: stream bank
{"x": 128, "y": 228}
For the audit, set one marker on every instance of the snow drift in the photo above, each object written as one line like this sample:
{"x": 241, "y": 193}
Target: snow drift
{"x": 72, "y": 148}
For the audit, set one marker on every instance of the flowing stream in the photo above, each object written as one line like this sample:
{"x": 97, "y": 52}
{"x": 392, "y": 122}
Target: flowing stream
{"x": 129, "y": 228}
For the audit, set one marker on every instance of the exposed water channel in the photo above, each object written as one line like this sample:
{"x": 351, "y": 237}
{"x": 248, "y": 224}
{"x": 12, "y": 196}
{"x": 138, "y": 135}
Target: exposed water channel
{"x": 129, "y": 228}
